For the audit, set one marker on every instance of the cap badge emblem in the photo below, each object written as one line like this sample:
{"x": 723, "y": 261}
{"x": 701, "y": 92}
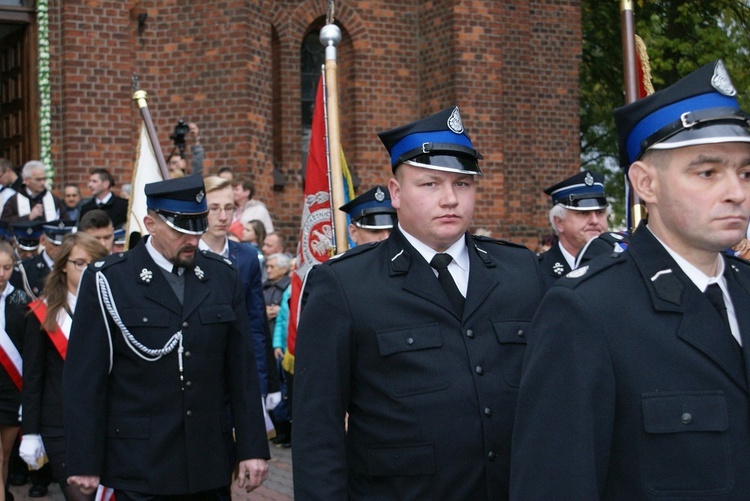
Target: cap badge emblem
{"x": 578, "y": 273}
{"x": 61, "y": 225}
{"x": 29, "y": 231}
{"x": 199, "y": 273}
{"x": 721, "y": 81}
{"x": 454, "y": 122}
{"x": 589, "y": 179}
{"x": 379, "y": 195}
{"x": 558, "y": 268}
{"x": 199, "y": 197}
{"x": 146, "y": 275}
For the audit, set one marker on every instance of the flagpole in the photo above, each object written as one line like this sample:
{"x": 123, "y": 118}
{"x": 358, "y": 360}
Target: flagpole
{"x": 330, "y": 36}
{"x": 141, "y": 98}
{"x": 630, "y": 73}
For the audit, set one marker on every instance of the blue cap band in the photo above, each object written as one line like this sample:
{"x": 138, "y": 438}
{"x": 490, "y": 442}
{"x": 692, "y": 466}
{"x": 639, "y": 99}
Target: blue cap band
{"x": 417, "y": 139}
{"x": 176, "y": 206}
{"x": 665, "y": 116}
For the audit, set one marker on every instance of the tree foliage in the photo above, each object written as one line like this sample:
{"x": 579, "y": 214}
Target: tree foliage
{"x": 680, "y": 36}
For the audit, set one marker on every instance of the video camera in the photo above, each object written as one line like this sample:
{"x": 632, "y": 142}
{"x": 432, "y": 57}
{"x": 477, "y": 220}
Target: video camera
{"x": 178, "y": 136}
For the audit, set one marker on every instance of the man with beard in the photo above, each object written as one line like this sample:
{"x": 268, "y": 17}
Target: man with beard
{"x": 150, "y": 372}
{"x": 578, "y": 214}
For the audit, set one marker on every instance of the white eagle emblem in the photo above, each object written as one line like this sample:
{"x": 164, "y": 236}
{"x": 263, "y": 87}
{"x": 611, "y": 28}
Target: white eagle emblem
{"x": 721, "y": 81}
{"x": 454, "y": 122}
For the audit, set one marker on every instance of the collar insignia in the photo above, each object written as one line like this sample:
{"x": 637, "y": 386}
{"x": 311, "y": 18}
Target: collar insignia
{"x": 199, "y": 273}
{"x": 99, "y": 264}
{"x": 558, "y": 268}
{"x": 146, "y": 275}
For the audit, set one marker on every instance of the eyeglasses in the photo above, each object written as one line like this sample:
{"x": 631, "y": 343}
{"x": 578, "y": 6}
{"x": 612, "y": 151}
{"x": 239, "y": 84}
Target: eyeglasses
{"x": 217, "y": 210}
{"x": 80, "y": 264}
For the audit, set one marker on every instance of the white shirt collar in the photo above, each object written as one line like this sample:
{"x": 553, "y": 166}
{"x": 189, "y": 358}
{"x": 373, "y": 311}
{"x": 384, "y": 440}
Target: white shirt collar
{"x": 7, "y": 291}
{"x": 104, "y": 200}
{"x": 700, "y": 279}
{"x": 457, "y": 250}
{"x": 50, "y": 262}
{"x": 224, "y": 252}
{"x": 160, "y": 260}
{"x": 570, "y": 258}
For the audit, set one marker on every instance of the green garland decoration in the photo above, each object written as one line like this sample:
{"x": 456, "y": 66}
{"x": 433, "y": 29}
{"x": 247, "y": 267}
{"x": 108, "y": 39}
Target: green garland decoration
{"x": 45, "y": 103}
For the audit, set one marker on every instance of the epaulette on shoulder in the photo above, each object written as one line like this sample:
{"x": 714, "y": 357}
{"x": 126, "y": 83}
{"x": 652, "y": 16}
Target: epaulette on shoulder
{"x": 498, "y": 241}
{"x": 217, "y": 257}
{"x": 573, "y": 278}
{"x": 353, "y": 252}
{"x": 108, "y": 261}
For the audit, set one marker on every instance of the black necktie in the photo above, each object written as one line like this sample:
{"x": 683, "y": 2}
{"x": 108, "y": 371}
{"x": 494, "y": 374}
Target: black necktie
{"x": 440, "y": 262}
{"x": 714, "y": 294}
{"x": 175, "y": 270}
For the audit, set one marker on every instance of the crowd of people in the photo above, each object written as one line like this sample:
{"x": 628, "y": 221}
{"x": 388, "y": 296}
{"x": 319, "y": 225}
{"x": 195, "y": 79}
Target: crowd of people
{"x": 430, "y": 363}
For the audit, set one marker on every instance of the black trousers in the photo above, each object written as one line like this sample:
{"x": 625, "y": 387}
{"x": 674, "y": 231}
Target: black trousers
{"x": 221, "y": 494}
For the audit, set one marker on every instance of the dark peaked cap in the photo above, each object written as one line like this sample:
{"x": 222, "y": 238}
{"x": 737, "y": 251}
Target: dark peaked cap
{"x": 701, "y": 108}
{"x": 438, "y": 142}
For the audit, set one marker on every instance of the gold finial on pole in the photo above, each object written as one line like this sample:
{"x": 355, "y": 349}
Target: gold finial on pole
{"x": 141, "y": 98}
{"x": 330, "y": 36}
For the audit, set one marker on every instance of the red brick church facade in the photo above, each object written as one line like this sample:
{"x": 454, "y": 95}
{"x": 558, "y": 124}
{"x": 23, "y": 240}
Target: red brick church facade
{"x": 237, "y": 69}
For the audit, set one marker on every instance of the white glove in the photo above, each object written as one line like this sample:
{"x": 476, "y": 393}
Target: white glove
{"x": 272, "y": 400}
{"x": 32, "y": 451}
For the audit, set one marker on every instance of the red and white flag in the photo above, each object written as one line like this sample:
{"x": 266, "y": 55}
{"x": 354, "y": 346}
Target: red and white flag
{"x": 316, "y": 228}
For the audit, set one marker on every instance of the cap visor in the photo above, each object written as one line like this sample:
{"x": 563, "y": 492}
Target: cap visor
{"x": 446, "y": 163}
{"x": 713, "y": 134}
{"x": 193, "y": 224}
{"x": 376, "y": 221}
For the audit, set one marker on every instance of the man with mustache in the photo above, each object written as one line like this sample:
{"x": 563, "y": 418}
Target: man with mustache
{"x": 418, "y": 338}
{"x": 635, "y": 382}
{"x": 159, "y": 345}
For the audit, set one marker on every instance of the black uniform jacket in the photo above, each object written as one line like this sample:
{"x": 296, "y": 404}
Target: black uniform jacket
{"x": 36, "y": 269}
{"x": 116, "y": 208}
{"x": 42, "y": 381}
{"x": 553, "y": 264}
{"x": 632, "y": 386}
{"x": 146, "y": 426}
{"x": 15, "y": 326}
{"x": 430, "y": 396}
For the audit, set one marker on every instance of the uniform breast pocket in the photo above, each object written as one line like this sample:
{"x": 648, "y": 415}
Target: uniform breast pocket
{"x": 414, "y": 359}
{"x": 686, "y": 449}
{"x": 512, "y": 337}
{"x": 150, "y": 326}
{"x": 216, "y": 314}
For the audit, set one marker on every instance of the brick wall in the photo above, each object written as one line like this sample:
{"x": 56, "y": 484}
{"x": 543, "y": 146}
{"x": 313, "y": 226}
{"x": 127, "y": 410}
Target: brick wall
{"x": 233, "y": 68}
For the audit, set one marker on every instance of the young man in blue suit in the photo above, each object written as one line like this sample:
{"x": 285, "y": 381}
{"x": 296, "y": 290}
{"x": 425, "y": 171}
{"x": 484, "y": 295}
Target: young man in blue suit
{"x": 220, "y": 202}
